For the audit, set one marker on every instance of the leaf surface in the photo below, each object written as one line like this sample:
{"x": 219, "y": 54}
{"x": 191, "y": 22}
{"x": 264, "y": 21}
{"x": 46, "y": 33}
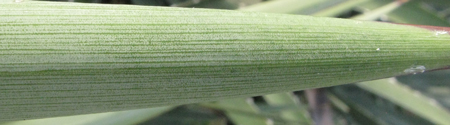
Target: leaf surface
{"x": 61, "y": 59}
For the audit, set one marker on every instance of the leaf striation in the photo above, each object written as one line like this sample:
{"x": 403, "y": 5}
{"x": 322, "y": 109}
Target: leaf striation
{"x": 59, "y": 59}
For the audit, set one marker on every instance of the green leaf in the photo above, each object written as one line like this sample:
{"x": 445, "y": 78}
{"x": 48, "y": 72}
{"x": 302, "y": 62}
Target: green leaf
{"x": 409, "y": 99}
{"x": 435, "y": 85}
{"x": 149, "y": 2}
{"x": 241, "y": 111}
{"x": 339, "y": 8}
{"x": 286, "y": 6}
{"x": 296, "y": 113}
{"x": 217, "y": 4}
{"x": 368, "y": 109}
{"x": 62, "y": 59}
{"x": 413, "y": 13}
{"x": 375, "y": 14}
{"x": 109, "y": 118}
{"x": 188, "y": 115}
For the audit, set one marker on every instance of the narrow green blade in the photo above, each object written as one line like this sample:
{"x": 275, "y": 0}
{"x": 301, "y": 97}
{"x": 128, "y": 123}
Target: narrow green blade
{"x": 365, "y": 108}
{"x": 242, "y": 112}
{"x": 375, "y": 14}
{"x": 295, "y": 113}
{"x": 110, "y": 118}
{"x": 339, "y": 8}
{"x": 435, "y": 85}
{"x": 407, "y": 98}
{"x": 284, "y": 6}
{"x": 413, "y": 13}
{"x": 187, "y": 115}
{"x": 61, "y": 59}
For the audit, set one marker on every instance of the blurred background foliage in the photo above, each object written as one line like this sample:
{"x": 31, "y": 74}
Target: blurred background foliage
{"x": 404, "y": 100}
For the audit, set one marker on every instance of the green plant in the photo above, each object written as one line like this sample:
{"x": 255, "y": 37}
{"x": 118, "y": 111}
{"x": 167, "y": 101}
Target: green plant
{"x": 62, "y": 59}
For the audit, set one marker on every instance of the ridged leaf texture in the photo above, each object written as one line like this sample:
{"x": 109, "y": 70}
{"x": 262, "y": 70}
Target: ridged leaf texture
{"x": 59, "y": 59}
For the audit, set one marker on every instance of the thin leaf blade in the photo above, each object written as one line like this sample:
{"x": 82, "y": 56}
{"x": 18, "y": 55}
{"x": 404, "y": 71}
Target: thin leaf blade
{"x": 61, "y": 59}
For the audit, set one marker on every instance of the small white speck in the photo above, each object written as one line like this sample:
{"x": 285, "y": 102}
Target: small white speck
{"x": 437, "y": 33}
{"x": 378, "y": 49}
{"x": 18, "y": 1}
{"x": 265, "y": 15}
{"x": 415, "y": 69}
{"x": 358, "y": 22}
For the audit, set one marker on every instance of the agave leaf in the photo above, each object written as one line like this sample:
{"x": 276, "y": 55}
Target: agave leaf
{"x": 61, "y": 59}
